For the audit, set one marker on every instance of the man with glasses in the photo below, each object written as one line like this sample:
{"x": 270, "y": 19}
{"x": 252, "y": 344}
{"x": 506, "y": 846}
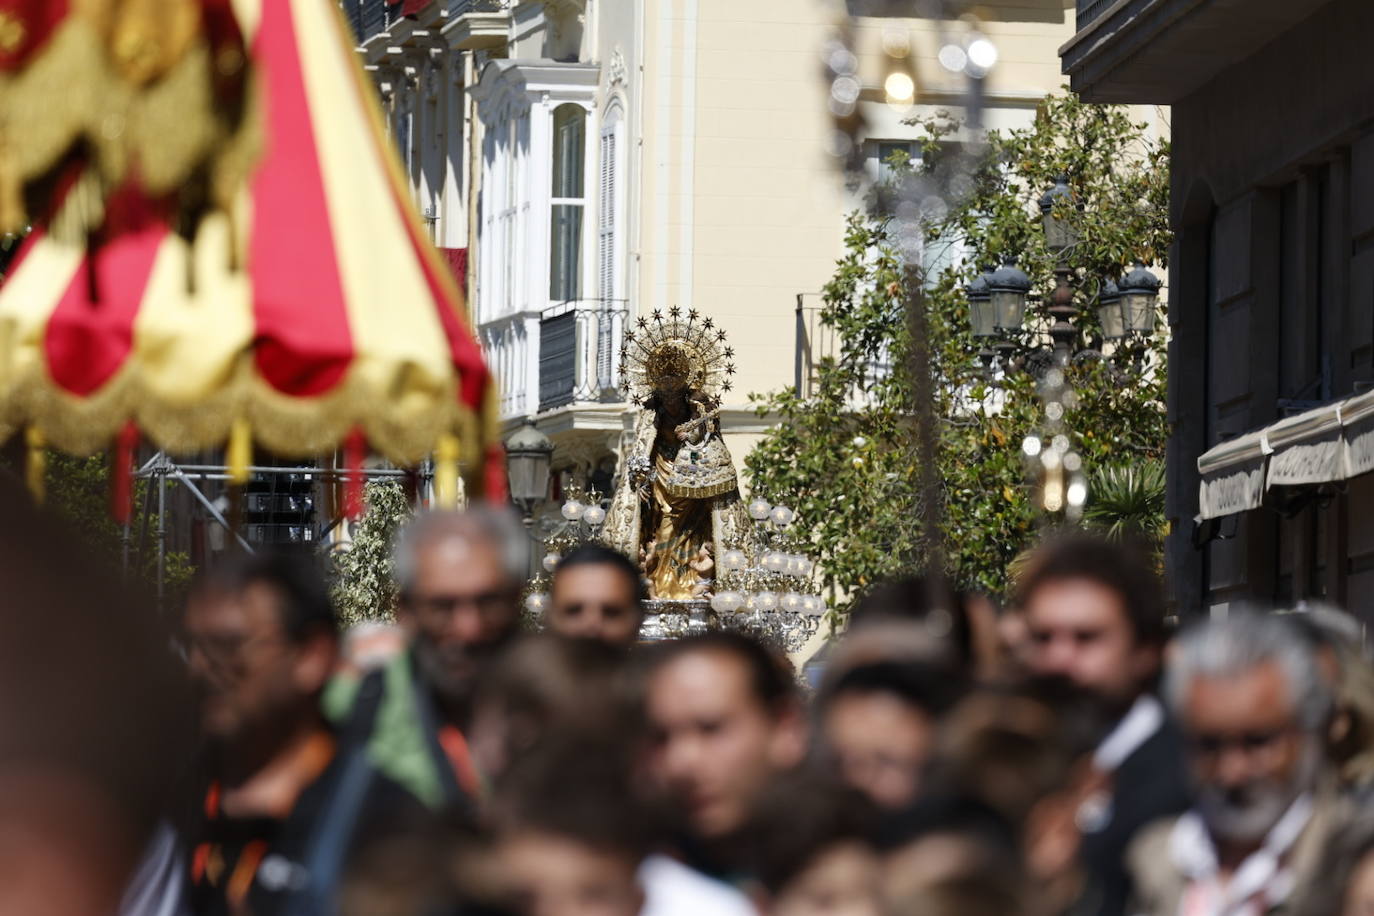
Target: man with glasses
{"x": 261, "y": 642}
{"x": 1253, "y": 706}
{"x": 458, "y": 578}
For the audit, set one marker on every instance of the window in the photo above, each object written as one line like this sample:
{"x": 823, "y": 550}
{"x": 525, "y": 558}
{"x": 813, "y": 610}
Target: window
{"x": 884, "y": 153}
{"x": 565, "y": 243}
{"x": 938, "y": 254}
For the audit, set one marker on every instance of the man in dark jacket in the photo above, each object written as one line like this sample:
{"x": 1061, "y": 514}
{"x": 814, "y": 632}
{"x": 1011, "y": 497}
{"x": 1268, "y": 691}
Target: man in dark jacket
{"x": 1095, "y": 614}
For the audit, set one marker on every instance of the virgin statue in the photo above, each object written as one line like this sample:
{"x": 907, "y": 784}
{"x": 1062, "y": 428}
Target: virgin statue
{"x": 676, "y": 506}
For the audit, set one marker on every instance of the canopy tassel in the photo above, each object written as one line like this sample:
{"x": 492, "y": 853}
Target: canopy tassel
{"x": 37, "y": 464}
{"x": 494, "y": 475}
{"x": 239, "y": 454}
{"x": 446, "y": 471}
{"x": 355, "y": 453}
{"x": 122, "y": 474}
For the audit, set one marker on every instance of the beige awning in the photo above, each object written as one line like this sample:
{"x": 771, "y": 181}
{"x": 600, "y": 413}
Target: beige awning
{"x": 1357, "y": 422}
{"x": 1325, "y": 444}
{"x": 1232, "y": 476}
{"x": 1306, "y": 448}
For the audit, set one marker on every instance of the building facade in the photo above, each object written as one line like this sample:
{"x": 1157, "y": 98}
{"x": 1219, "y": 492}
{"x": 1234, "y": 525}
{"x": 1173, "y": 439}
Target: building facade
{"x": 1272, "y": 283}
{"x": 601, "y": 159}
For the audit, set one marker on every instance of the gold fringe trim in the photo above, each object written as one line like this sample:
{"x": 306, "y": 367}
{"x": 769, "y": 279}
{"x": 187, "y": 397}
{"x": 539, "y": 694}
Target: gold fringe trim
{"x": 239, "y": 453}
{"x": 36, "y": 465}
{"x": 446, "y": 472}
{"x": 404, "y": 431}
{"x": 137, "y": 86}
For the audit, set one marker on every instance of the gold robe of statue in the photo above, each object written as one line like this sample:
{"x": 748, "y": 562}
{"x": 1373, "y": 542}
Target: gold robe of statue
{"x": 677, "y": 493}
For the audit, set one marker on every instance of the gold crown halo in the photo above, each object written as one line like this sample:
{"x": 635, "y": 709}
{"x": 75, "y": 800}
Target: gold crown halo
{"x": 677, "y": 345}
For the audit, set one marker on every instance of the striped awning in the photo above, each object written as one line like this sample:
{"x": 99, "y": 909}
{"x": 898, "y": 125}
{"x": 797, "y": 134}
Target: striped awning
{"x": 310, "y": 308}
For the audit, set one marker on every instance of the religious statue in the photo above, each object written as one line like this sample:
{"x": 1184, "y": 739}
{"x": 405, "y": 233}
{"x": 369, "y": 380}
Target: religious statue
{"x": 677, "y": 503}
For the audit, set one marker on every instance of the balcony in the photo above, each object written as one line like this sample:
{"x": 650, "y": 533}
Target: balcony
{"x": 370, "y": 17}
{"x": 1160, "y": 51}
{"x": 579, "y": 352}
{"x": 477, "y": 24}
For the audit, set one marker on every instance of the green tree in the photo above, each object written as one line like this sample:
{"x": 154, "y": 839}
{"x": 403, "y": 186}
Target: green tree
{"x": 79, "y": 490}
{"x": 843, "y": 455}
{"x": 363, "y": 587}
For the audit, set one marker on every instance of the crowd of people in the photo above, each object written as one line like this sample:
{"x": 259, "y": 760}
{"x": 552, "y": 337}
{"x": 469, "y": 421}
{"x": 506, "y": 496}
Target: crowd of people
{"x": 1068, "y": 754}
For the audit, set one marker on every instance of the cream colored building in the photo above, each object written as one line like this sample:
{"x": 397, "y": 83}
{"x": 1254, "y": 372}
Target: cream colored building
{"x": 632, "y": 155}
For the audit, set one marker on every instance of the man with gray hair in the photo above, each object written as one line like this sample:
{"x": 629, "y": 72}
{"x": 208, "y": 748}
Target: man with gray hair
{"x": 1247, "y": 691}
{"x": 458, "y": 580}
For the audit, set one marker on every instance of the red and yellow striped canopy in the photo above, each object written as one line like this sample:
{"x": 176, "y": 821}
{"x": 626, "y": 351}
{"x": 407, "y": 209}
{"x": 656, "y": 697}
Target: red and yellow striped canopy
{"x": 311, "y": 307}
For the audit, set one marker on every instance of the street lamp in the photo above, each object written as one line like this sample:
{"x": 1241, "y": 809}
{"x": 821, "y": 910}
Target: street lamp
{"x": 980, "y": 306}
{"x": 1139, "y": 295}
{"x": 528, "y": 456}
{"x": 1009, "y": 286}
{"x": 1109, "y": 312}
{"x": 1060, "y": 234}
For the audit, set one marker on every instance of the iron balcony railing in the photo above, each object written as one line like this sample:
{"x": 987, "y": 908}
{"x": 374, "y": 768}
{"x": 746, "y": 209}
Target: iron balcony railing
{"x": 817, "y": 342}
{"x": 1089, "y": 10}
{"x": 579, "y": 351}
{"x": 459, "y": 7}
{"x": 369, "y": 17}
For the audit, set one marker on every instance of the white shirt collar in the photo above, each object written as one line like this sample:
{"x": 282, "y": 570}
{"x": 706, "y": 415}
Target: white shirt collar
{"x": 1143, "y": 719}
{"x": 1192, "y": 852}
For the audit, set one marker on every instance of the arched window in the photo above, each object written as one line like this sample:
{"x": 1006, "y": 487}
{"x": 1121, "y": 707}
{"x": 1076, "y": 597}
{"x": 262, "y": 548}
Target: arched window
{"x": 568, "y": 201}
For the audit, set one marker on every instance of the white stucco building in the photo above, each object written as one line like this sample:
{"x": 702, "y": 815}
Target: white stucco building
{"x": 599, "y": 159}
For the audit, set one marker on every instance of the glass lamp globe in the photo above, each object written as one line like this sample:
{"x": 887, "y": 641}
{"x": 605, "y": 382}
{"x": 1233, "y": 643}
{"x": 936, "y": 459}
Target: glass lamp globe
{"x": 813, "y": 605}
{"x": 1109, "y": 313}
{"x": 727, "y": 602}
{"x": 572, "y": 510}
{"x": 759, "y": 509}
{"x": 733, "y": 560}
{"x": 1009, "y": 286}
{"x": 536, "y": 602}
{"x": 981, "y": 317}
{"x": 550, "y": 561}
{"x": 781, "y": 516}
{"x": 594, "y": 515}
{"x": 766, "y": 601}
{"x": 791, "y": 602}
{"x": 1139, "y": 295}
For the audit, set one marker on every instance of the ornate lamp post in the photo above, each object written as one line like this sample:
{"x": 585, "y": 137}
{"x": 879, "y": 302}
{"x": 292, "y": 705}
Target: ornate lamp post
{"x": 1125, "y": 309}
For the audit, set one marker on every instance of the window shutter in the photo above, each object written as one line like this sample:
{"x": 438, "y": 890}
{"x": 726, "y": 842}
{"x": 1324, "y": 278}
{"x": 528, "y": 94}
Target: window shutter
{"x": 607, "y": 215}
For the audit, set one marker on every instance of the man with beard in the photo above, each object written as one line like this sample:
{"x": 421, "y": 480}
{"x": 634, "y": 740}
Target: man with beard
{"x": 287, "y": 795}
{"x": 1249, "y": 695}
{"x": 458, "y": 578}
{"x": 1094, "y": 614}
